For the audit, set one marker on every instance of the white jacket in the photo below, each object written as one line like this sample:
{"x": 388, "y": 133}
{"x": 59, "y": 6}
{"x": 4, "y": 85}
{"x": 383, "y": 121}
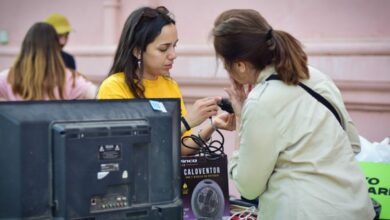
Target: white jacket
{"x": 295, "y": 155}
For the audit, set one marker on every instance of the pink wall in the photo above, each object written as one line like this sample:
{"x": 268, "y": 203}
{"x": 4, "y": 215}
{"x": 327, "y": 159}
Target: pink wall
{"x": 308, "y": 20}
{"x": 16, "y": 16}
{"x": 347, "y": 39}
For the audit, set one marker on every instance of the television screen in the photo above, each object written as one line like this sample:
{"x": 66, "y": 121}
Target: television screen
{"x": 91, "y": 159}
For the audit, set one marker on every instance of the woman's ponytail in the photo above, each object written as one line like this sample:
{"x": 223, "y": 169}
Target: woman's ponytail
{"x": 289, "y": 58}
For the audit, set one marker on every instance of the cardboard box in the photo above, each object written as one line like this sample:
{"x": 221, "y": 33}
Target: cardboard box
{"x": 378, "y": 180}
{"x": 205, "y": 188}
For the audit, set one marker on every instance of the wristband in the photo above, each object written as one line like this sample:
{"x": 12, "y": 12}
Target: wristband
{"x": 212, "y": 124}
{"x": 185, "y": 123}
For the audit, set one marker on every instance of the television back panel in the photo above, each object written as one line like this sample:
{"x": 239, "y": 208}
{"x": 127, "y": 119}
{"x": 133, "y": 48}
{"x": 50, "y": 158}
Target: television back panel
{"x": 113, "y": 170}
{"x": 28, "y": 186}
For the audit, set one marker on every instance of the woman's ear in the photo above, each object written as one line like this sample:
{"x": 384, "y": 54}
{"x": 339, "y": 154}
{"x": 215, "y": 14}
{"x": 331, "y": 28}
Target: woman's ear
{"x": 137, "y": 53}
{"x": 240, "y": 66}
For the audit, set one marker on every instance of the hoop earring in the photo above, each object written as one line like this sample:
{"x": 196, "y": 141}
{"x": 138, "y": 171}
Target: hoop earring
{"x": 139, "y": 62}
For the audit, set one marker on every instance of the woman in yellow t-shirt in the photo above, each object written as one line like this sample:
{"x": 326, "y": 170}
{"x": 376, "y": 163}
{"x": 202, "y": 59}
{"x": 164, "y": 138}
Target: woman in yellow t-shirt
{"x": 143, "y": 59}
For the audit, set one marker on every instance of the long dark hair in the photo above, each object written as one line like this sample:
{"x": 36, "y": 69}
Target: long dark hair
{"x": 39, "y": 69}
{"x": 141, "y": 28}
{"x": 244, "y": 35}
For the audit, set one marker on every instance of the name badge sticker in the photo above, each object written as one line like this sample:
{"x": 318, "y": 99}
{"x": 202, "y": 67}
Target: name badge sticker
{"x": 157, "y": 106}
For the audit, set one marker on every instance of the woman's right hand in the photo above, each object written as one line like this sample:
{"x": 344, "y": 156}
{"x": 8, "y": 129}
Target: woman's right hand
{"x": 237, "y": 96}
{"x": 202, "y": 110}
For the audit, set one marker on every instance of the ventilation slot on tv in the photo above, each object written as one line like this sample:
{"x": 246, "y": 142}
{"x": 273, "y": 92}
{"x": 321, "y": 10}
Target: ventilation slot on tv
{"x": 143, "y": 130}
{"x": 72, "y": 133}
{"x": 94, "y": 132}
{"x": 121, "y": 131}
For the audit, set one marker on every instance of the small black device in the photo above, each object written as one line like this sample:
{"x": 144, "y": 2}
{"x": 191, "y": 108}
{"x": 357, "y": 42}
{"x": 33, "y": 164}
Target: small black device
{"x": 226, "y": 105}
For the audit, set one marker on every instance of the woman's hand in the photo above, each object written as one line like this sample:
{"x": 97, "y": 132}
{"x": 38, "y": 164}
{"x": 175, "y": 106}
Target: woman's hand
{"x": 237, "y": 96}
{"x": 225, "y": 121}
{"x": 201, "y": 110}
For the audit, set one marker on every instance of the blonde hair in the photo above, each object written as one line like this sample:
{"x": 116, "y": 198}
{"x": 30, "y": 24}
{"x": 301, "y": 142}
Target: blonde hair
{"x": 39, "y": 69}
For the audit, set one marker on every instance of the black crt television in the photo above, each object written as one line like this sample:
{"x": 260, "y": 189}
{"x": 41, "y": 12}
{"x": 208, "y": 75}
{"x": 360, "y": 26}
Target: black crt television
{"x": 90, "y": 160}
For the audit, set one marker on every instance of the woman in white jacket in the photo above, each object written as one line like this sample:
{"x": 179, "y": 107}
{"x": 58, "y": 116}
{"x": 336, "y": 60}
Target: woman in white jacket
{"x": 293, "y": 152}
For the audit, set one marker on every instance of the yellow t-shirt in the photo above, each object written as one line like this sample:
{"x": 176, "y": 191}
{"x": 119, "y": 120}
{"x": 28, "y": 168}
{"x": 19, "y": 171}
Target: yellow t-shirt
{"x": 115, "y": 87}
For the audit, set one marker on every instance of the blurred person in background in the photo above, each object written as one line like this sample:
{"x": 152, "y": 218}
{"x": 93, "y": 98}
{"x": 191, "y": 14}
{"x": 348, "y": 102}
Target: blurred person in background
{"x": 293, "y": 153}
{"x": 141, "y": 68}
{"x": 39, "y": 72}
{"x": 63, "y": 28}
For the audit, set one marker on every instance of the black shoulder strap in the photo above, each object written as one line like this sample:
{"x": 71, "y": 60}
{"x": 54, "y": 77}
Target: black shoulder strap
{"x": 315, "y": 95}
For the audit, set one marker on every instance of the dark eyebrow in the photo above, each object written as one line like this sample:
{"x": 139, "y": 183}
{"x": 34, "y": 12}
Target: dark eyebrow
{"x": 168, "y": 44}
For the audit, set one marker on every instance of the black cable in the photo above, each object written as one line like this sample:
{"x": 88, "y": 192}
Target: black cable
{"x": 185, "y": 123}
{"x": 213, "y": 150}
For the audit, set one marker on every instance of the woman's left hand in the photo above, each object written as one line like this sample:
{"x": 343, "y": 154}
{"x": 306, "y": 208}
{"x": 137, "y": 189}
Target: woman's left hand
{"x": 225, "y": 121}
